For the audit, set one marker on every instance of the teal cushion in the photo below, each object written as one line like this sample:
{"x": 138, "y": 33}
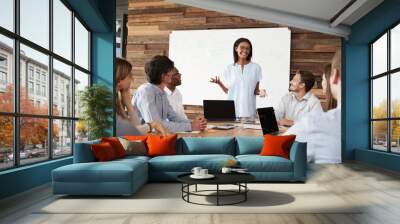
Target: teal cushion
{"x": 83, "y": 152}
{"x": 132, "y": 157}
{"x": 257, "y": 163}
{"x": 111, "y": 171}
{"x": 249, "y": 145}
{"x": 207, "y": 145}
{"x": 185, "y": 163}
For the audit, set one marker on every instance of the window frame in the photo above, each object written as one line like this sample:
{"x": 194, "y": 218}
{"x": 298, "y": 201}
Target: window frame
{"x": 388, "y": 74}
{"x": 16, "y": 114}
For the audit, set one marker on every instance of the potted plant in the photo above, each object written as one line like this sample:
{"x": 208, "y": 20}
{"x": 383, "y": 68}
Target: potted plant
{"x": 96, "y": 102}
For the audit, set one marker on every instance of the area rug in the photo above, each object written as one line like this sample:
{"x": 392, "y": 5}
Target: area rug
{"x": 167, "y": 198}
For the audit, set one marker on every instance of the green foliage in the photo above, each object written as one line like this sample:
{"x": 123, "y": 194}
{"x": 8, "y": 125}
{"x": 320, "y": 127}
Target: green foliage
{"x": 96, "y": 102}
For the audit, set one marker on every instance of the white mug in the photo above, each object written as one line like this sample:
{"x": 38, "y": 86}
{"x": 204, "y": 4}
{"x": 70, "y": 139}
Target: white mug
{"x": 226, "y": 170}
{"x": 203, "y": 172}
{"x": 196, "y": 171}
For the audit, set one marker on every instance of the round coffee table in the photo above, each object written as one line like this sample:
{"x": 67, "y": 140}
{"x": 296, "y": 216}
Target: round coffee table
{"x": 238, "y": 179}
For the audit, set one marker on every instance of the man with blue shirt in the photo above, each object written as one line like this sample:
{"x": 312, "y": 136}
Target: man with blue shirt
{"x": 151, "y": 102}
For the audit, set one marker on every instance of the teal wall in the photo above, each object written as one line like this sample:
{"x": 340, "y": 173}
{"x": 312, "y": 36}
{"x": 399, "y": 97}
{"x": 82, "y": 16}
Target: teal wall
{"x": 24, "y": 178}
{"x": 99, "y": 16}
{"x": 356, "y": 85}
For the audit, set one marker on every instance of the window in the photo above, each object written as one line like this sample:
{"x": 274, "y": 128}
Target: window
{"x": 43, "y": 77}
{"x": 7, "y": 14}
{"x": 81, "y": 45}
{"x": 38, "y": 89}
{"x": 30, "y": 87}
{"x": 385, "y": 95}
{"x": 37, "y": 74}
{"x": 6, "y": 71}
{"x": 30, "y": 72}
{"x": 44, "y": 91}
{"x": 3, "y": 80}
{"x": 62, "y": 78}
{"x": 3, "y": 72}
{"x": 3, "y": 61}
{"x": 47, "y": 74}
{"x": 34, "y": 21}
{"x": 62, "y": 30}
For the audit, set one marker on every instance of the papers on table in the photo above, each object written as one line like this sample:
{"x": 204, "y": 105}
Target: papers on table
{"x": 252, "y": 126}
{"x": 221, "y": 127}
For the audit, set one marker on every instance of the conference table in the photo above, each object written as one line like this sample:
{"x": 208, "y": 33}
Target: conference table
{"x": 240, "y": 129}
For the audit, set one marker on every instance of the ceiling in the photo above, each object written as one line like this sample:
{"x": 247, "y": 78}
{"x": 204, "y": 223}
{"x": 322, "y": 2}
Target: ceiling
{"x": 122, "y": 8}
{"x": 326, "y": 16}
{"x": 333, "y": 17}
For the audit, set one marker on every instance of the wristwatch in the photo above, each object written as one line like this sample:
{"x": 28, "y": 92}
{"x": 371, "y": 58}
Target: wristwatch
{"x": 150, "y": 128}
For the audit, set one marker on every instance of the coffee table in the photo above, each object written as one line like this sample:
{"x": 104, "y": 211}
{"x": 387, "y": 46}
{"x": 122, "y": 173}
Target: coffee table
{"x": 238, "y": 179}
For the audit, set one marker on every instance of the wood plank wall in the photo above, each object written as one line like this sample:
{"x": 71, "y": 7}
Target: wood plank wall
{"x": 151, "y": 21}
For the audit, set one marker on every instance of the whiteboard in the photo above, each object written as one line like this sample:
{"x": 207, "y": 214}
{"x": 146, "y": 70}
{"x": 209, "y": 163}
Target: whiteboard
{"x": 202, "y": 54}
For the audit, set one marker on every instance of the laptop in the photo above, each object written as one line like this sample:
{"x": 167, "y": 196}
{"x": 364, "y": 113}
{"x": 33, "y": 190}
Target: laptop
{"x": 219, "y": 110}
{"x": 268, "y": 122}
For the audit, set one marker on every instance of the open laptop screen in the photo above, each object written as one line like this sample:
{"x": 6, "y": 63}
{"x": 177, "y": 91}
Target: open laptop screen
{"x": 268, "y": 121}
{"x": 219, "y": 110}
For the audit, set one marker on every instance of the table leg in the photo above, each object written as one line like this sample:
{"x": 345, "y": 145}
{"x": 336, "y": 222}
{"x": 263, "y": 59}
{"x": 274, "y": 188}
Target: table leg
{"x": 196, "y": 188}
{"x": 188, "y": 190}
{"x": 217, "y": 194}
{"x": 245, "y": 191}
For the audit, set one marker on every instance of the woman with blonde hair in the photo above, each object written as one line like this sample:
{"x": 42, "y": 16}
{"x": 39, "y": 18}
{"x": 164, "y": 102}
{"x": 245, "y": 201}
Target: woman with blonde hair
{"x": 331, "y": 102}
{"x": 127, "y": 120}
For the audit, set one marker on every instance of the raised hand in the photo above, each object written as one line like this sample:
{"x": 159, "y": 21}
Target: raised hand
{"x": 218, "y": 81}
{"x": 215, "y": 80}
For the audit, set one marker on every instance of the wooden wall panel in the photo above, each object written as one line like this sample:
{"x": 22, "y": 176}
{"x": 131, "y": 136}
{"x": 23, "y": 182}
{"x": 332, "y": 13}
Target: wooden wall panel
{"x": 151, "y": 21}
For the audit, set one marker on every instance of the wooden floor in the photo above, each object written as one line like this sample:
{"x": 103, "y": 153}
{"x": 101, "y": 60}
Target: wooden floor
{"x": 377, "y": 188}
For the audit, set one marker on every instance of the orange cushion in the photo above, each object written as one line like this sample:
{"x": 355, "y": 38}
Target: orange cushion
{"x": 136, "y": 137}
{"x": 116, "y": 145}
{"x": 161, "y": 145}
{"x": 103, "y": 151}
{"x": 277, "y": 145}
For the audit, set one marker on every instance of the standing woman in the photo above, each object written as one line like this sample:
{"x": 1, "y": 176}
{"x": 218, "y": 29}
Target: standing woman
{"x": 127, "y": 119}
{"x": 242, "y": 80}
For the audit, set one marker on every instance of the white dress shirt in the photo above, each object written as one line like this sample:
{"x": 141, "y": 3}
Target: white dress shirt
{"x": 322, "y": 132}
{"x": 151, "y": 104}
{"x": 241, "y": 85}
{"x": 293, "y": 109}
{"x": 175, "y": 100}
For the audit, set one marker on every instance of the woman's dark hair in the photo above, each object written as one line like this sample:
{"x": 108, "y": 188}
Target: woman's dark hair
{"x": 236, "y": 44}
{"x": 330, "y": 101}
{"x": 157, "y": 66}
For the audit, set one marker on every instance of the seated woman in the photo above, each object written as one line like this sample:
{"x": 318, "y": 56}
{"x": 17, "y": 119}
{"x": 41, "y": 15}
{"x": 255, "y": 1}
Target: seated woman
{"x": 127, "y": 119}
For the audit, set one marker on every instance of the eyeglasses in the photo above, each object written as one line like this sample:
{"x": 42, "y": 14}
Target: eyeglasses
{"x": 244, "y": 48}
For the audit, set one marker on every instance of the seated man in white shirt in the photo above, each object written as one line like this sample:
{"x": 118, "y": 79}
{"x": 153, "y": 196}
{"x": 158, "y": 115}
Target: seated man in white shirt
{"x": 174, "y": 95}
{"x": 151, "y": 103}
{"x": 322, "y": 130}
{"x": 299, "y": 101}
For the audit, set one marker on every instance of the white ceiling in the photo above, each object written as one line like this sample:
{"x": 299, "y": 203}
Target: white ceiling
{"x": 122, "y": 8}
{"x": 319, "y": 9}
{"x": 314, "y": 15}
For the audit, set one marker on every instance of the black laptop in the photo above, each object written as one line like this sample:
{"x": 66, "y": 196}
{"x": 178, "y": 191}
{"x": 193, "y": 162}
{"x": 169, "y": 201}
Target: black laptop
{"x": 268, "y": 121}
{"x": 219, "y": 110}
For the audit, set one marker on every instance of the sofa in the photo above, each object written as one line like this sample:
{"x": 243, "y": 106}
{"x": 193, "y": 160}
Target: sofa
{"x": 126, "y": 175}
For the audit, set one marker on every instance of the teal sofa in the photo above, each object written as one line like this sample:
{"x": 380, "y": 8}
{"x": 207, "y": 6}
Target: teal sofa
{"x": 125, "y": 176}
